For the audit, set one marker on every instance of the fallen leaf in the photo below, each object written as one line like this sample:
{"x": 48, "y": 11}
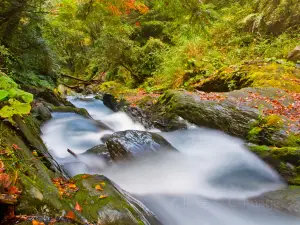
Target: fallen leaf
{"x": 70, "y": 215}
{"x": 103, "y": 196}
{"x": 103, "y": 184}
{"x": 72, "y": 186}
{"x": 78, "y": 207}
{"x": 5, "y": 180}
{"x": 35, "y": 153}
{"x": 85, "y": 176}
{"x": 2, "y": 168}
{"x": 16, "y": 147}
{"x": 14, "y": 190}
{"x": 35, "y": 222}
{"x": 99, "y": 188}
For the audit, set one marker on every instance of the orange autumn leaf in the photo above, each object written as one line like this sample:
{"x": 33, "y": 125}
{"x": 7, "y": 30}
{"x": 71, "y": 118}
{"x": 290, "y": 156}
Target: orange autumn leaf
{"x": 35, "y": 222}
{"x": 14, "y": 190}
{"x": 5, "y": 180}
{"x": 70, "y": 215}
{"x": 85, "y": 176}
{"x": 98, "y": 187}
{"x": 16, "y": 147}
{"x": 78, "y": 207}
{"x": 103, "y": 196}
{"x": 72, "y": 186}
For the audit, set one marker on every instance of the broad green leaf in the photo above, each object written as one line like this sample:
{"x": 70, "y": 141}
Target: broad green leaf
{"x": 3, "y": 95}
{"x": 15, "y": 108}
{"x": 7, "y": 83}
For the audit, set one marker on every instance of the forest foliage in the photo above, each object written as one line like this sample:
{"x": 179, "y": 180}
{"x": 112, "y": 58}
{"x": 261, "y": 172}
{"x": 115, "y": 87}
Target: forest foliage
{"x": 154, "y": 45}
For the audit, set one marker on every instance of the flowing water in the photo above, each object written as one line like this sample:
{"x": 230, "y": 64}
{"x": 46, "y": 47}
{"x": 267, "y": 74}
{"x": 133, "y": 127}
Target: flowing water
{"x": 207, "y": 183}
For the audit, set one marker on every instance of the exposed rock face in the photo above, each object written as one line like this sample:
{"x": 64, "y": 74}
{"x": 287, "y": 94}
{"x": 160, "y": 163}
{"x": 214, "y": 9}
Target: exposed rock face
{"x": 294, "y": 55}
{"x": 225, "y": 116}
{"x": 131, "y": 143}
{"x": 230, "y": 112}
{"x": 286, "y": 200}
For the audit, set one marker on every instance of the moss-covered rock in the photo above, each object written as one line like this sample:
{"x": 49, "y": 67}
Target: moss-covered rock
{"x": 43, "y": 199}
{"x": 225, "y": 116}
{"x": 285, "y": 160}
{"x": 240, "y": 113}
{"x": 253, "y": 74}
{"x": 79, "y": 111}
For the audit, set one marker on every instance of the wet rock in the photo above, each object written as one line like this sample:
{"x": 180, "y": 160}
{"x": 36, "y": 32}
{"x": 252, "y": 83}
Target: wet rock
{"x": 286, "y": 200}
{"x": 79, "y": 111}
{"x": 99, "y": 150}
{"x": 41, "y": 112}
{"x": 152, "y": 118}
{"x": 131, "y": 143}
{"x": 294, "y": 55}
{"x": 224, "y": 116}
{"x": 113, "y": 103}
{"x": 105, "y": 137}
{"x": 285, "y": 160}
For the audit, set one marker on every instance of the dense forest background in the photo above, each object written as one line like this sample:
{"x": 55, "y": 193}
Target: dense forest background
{"x": 154, "y": 45}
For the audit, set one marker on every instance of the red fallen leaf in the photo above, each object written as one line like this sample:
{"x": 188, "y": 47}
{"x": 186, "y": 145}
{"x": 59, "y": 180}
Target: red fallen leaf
{"x": 78, "y": 207}
{"x": 16, "y": 147}
{"x": 70, "y": 215}
{"x": 5, "y": 180}
{"x": 14, "y": 190}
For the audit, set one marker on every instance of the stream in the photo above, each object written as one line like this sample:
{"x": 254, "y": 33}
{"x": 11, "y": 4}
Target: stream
{"x": 208, "y": 183}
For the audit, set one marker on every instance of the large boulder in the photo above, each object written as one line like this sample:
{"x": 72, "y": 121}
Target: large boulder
{"x": 246, "y": 113}
{"x": 132, "y": 143}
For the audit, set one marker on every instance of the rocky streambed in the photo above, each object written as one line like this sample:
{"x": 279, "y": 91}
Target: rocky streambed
{"x": 170, "y": 172}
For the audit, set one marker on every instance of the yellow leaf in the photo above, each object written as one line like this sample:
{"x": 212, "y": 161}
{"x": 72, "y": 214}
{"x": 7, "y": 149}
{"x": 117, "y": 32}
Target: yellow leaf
{"x": 103, "y": 196}
{"x": 103, "y": 184}
{"x": 99, "y": 188}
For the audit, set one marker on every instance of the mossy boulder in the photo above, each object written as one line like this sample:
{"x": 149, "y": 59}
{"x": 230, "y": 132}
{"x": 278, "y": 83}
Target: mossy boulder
{"x": 285, "y": 160}
{"x": 80, "y": 111}
{"x": 252, "y": 74}
{"x": 108, "y": 205}
{"x": 131, "y": 143}
{"x": 240, "y": 113}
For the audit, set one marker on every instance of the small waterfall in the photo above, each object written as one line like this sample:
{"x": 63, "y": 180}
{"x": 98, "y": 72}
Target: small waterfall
{"x": 208, "y": 182}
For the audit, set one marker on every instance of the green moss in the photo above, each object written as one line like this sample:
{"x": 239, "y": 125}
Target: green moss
{"x": 81, "y": 111}
{"x": 259, "y": 74}
{"x": 253, "y": 134}
{"x": 293, "y": 140}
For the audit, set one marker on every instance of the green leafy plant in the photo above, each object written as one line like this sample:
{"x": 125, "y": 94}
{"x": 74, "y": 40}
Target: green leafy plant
{"x": 13, "y": 100}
